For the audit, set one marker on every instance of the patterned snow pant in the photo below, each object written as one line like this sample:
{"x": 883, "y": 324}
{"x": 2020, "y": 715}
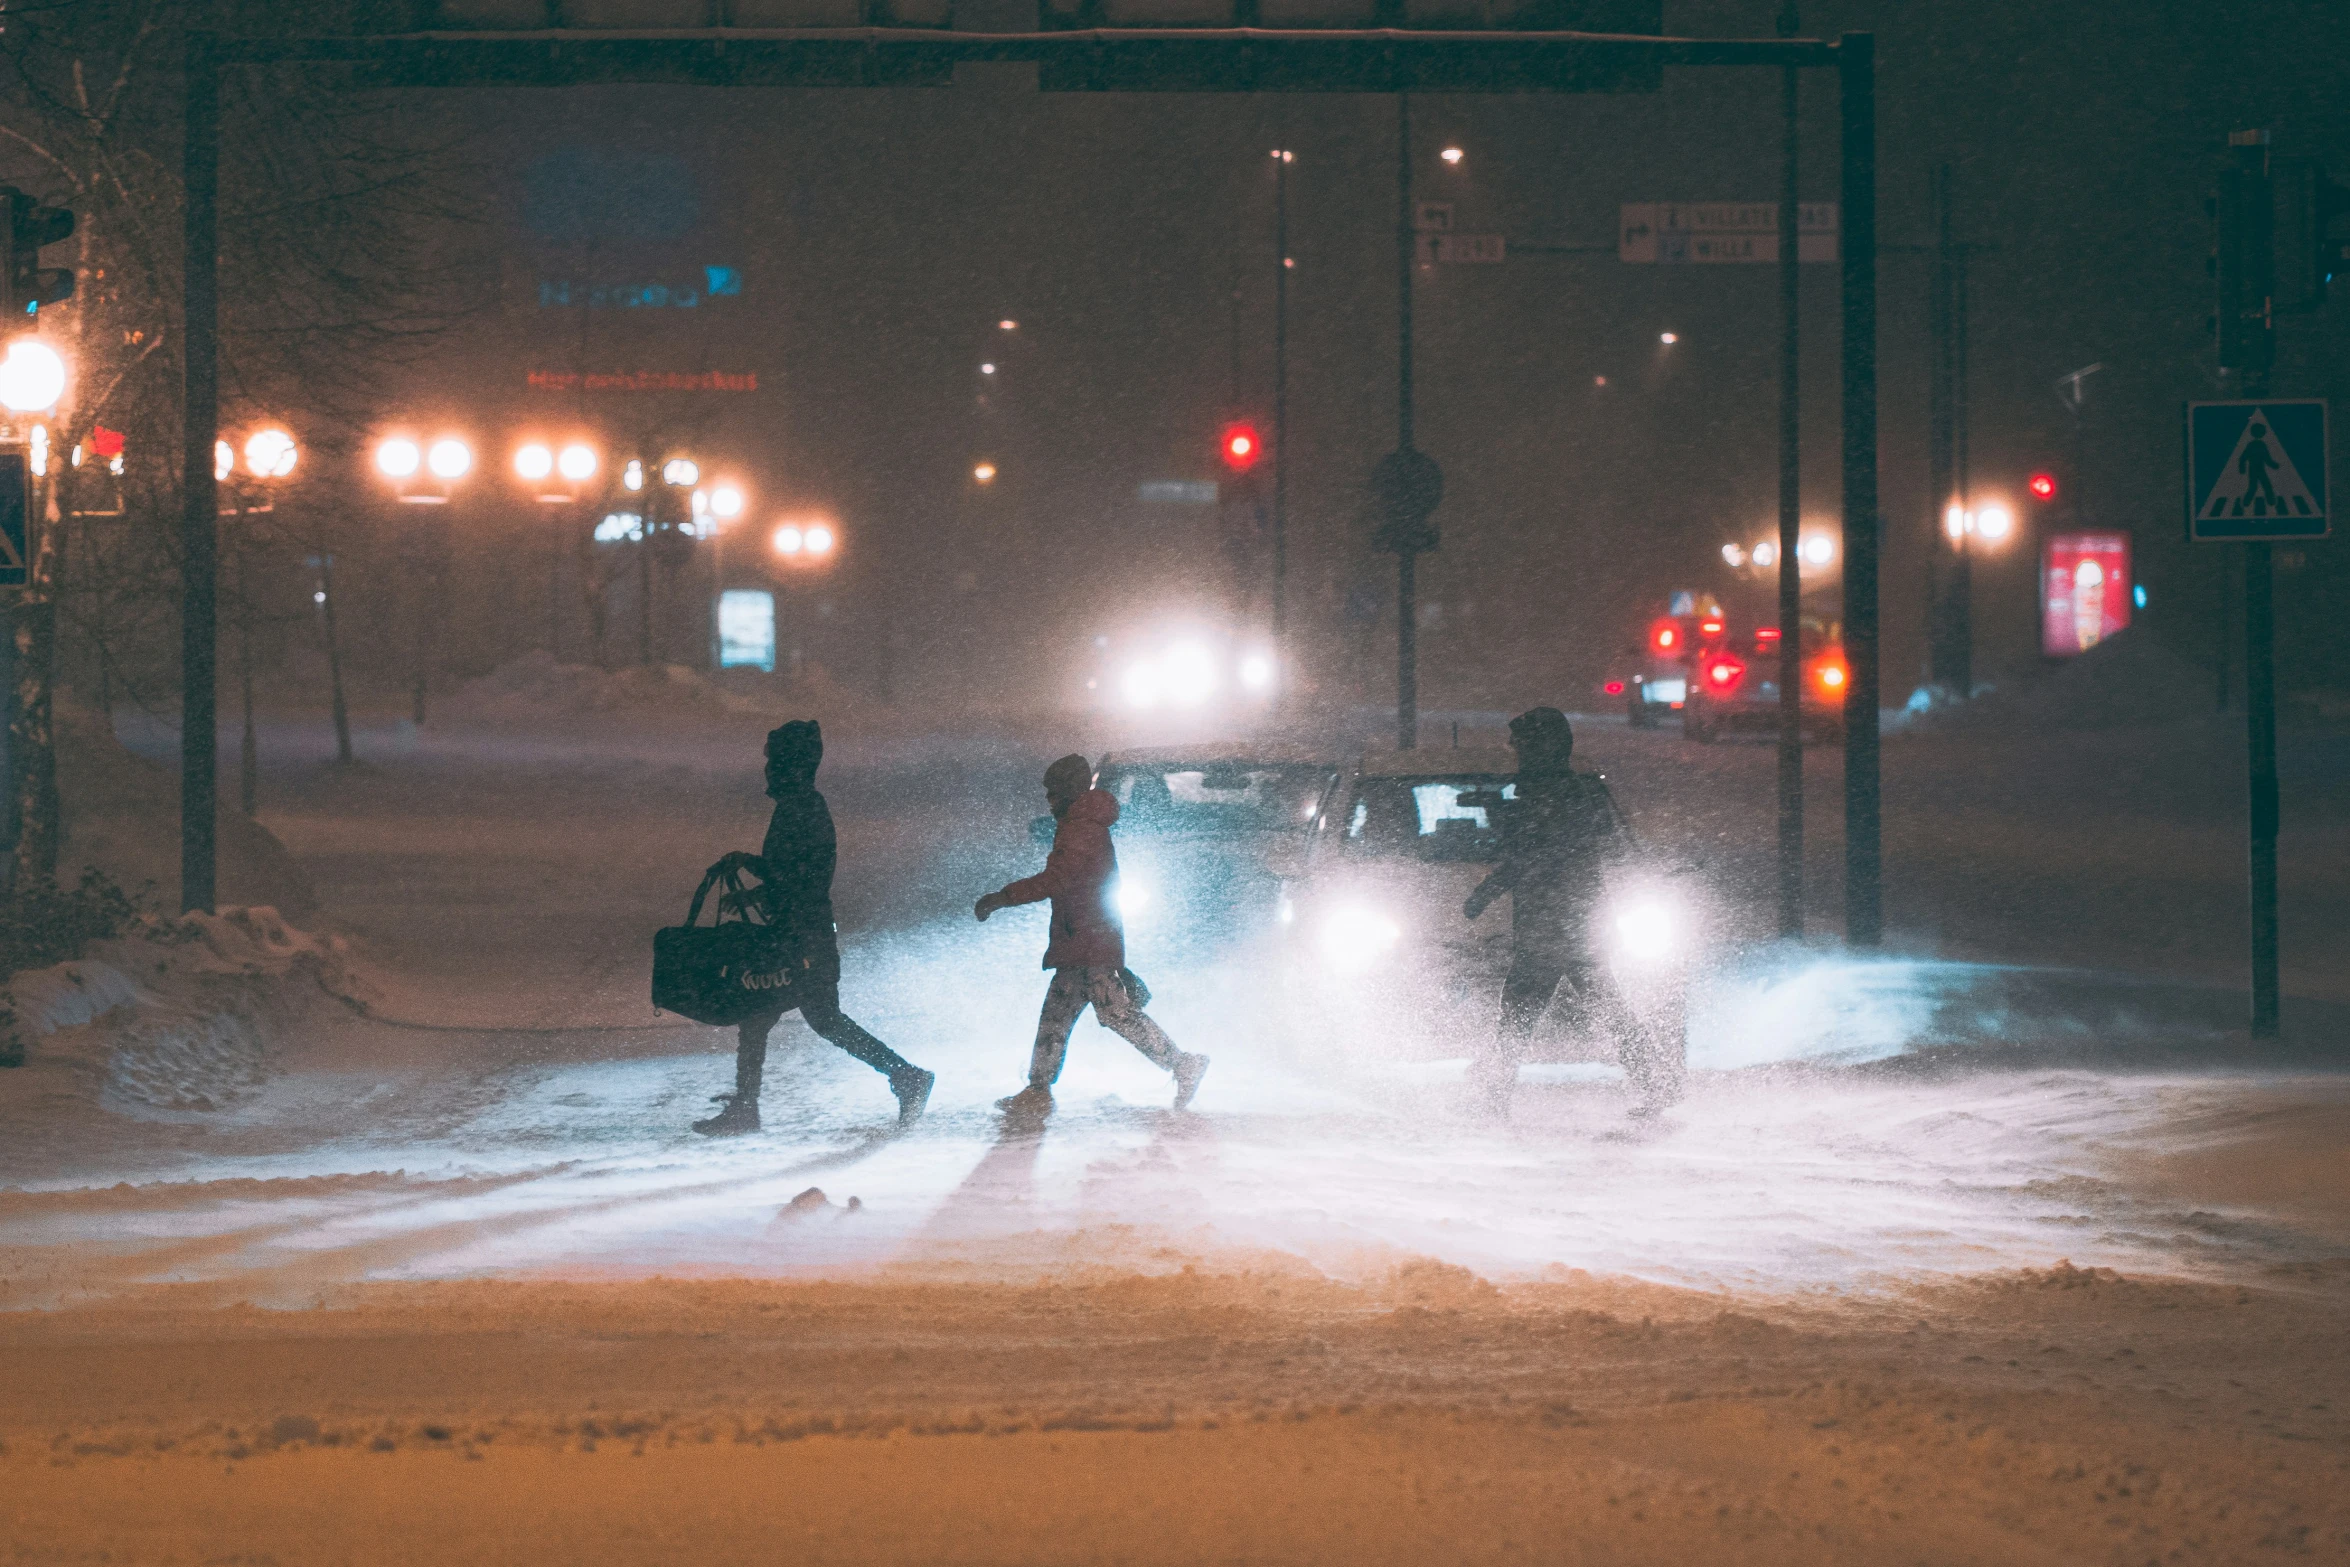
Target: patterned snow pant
{"x": 1072, "y": 991}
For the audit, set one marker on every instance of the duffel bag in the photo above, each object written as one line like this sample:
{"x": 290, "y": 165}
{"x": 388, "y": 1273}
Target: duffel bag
{"x": 738, "y": 966}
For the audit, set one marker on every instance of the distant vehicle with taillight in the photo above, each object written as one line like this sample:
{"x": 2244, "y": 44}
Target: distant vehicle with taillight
{"x": 1734, "y": 682}
{"x": 1653, "y": 676}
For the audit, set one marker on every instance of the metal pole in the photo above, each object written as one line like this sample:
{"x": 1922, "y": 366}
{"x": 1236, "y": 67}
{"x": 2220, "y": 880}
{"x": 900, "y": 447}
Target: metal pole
{"x": 1941, "y": 486}
{"x": 2260, "y": 731}
{"x": 334, "y": 654}
{"x": 1790, "y": 501}
{"x": 199, "y": 519}
{"x": 1863, "y": 859}
{"x": 1962, "y": 576}
{"x": 644, "y": 570}
{"x": 1407, "y": 631}
{"x": 1281, "y": 420}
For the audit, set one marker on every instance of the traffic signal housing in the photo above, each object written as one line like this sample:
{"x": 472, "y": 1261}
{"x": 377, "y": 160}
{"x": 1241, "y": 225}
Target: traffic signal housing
{"x": 2043, "y": 487}
{"x": 30, "y": 285}
{"x": 2306, "y": 207}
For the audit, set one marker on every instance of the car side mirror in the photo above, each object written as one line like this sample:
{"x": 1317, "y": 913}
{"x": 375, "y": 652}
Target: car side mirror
{"x": 1042, "y": 829}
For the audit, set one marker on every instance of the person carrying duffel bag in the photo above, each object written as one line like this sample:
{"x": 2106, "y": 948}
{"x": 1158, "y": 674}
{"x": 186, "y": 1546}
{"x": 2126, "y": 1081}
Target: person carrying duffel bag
{"x": 773, "y": 948}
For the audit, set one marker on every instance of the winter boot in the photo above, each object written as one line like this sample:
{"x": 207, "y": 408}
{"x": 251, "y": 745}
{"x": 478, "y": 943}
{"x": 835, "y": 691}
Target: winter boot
{"x": 912, "y": 1086}
{"x": 1189, "y": 1069}
{"x": 1035, "y": 1099}
{"x": 739, "y": 1116}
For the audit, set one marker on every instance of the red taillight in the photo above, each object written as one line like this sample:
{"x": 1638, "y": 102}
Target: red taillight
{"x": 1614, "y": 688}
{"x": 1710, "y": 628}
{"x": 1766, "y": 633}
{"x": 1665, "y": 635}
{"x": 1833, "y": 676}
{"x": 1723, "y": 673}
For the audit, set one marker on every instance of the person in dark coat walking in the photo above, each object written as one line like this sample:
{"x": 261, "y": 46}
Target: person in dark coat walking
{"x": 799, "y": 855}
{"x": 1087, "y": 947}
{"x": 1558, "y": 838}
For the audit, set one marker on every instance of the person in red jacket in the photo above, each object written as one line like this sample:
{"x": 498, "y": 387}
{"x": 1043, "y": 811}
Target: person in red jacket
{"x": 1087, "y": 948}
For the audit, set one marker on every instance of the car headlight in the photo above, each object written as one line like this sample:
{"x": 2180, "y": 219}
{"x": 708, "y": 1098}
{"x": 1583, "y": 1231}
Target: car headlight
{"x": 1648, "y": 930}
{"x": 1354, "y": 937}
{"x": 1134, "y": 895}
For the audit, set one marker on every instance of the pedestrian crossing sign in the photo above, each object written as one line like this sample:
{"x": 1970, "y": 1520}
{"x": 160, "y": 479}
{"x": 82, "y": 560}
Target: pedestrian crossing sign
{"x": 2257, "y": 470}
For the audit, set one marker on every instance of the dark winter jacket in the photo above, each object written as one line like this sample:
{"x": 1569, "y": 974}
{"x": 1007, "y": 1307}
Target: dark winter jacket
{"x": 1557, "y": 839}
{"x": 800, "y": 849}
{"x": 1078, "y": 876}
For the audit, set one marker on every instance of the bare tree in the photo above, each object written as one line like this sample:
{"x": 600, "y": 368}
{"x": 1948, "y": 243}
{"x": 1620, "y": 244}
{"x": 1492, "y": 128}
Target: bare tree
{"x": 335, "y": 266}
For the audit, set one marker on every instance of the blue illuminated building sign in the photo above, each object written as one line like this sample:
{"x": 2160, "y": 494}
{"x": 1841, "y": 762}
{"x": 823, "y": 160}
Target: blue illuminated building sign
{"x": 715, "y": 283}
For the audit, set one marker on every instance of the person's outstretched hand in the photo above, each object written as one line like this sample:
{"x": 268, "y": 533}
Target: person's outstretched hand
{"x": 1473, "y": 907}
{"x": 984, "y": 907}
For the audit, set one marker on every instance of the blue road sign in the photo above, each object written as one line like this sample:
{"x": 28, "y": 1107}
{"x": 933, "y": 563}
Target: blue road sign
{"x": 2257, "y": 470}
{"x": 16, "y": 504}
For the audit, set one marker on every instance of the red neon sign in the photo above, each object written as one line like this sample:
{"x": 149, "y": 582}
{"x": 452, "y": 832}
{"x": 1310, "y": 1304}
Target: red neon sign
{"x": 2085, "y": 585}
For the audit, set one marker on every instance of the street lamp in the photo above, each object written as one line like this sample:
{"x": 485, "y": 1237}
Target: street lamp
{"x": 398, "y": 458}
{"x": 32, "y": 377}
{"x": 577, "y": 462}
{"x": 1452, "y": 156}
{"x": 984, "y": 473}
{"x": 449, "y": 458}
{"x": 270, "y": 453}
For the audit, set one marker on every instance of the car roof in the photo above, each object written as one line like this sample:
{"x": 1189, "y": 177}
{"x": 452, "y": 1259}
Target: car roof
{"x": 1432, "y": 763}
{"x": 1272, "y": 753}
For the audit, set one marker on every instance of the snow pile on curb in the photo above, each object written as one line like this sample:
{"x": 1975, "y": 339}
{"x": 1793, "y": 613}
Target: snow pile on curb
{"x": 2128, "y": 679}
{"x": 122, "y": 815}
{"x": 179, "y": 1017}
{"x": 536, "y": 683}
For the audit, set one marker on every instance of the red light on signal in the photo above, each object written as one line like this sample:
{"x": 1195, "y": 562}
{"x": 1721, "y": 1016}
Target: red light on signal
{"x": 1614, "y": 688}
{"x": 1665, "y": 635}
{"x": 2043, "y": 486}
{"x": 1724, "y": 673}
{"x": 1241, "y": 447}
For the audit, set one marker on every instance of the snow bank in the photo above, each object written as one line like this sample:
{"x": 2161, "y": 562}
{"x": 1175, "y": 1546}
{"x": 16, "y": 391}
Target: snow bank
{"x": 122, "y": 816}
{"x": 179, "y": 1016}
{"x": 2128, "y": 679}
{"x": 536, "y": 684}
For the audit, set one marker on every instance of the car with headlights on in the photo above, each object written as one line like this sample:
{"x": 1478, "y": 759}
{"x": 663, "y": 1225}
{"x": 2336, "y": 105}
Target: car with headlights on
{"x": 1383, "y": 959}
{"x": 1734, "y": 683}
{"x": 1209, "y": 839}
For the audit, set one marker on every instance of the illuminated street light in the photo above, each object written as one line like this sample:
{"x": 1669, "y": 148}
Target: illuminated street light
{"x": 1766, "y": 554}
{"x": 398, "y": 458}
{"x": 270, "y": 453}
{"x": 534, "y": 462}
{"x": 32, "y": 377}
{"x": 1007, "y": 324}
{"x": 790, "y": 539}
{"x": 224, "y": 460}
{"x": 577, "y": 462}
{"x": 987, "y": 369}
{"x": 1993, "y": 522}
{"x": 1452, "y": 155}
{"x": 449, "y": 458}
{"x": 632, "y": 477}
{"x": 681, "y": 473}
{"x": 1284, "y": 155}
{"x": 1818, "y": 549}
{"x": 984, "y": 473}
{"x": 726, "y": 501}
{"x": 820, "y": 540}
{"x": 1734, "y": 554}
{"x": 1668, "y": 338}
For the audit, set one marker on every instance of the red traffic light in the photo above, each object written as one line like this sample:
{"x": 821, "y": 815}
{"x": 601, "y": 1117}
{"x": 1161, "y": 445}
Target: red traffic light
{"x": 2043, "y": 486}
{"x": 1241, "y": 447}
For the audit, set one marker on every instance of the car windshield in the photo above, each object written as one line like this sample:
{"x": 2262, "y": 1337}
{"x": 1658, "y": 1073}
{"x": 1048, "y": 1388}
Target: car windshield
{"x": 1427, "y": 818}
{"x": 1216, "y": 797}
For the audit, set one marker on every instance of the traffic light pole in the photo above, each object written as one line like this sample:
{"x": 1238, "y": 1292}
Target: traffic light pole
{"x": 1281, "y": 672}
{"x": 1856, "y": 75}
{"x": 200, "y": 519}
{"x": 1790, "y": 501}
{"x": 1407, "y": 629}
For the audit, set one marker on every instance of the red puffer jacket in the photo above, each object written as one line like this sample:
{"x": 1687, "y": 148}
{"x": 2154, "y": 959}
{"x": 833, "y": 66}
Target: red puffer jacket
{"x": 1077, "y": 876}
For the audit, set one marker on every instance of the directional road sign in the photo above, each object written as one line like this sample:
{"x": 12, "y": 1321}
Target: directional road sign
{"x": 1681, "y": 232}
{"x": 16, "y": 505}
{"x": 1434, "y": 248}
{"x": 2257, "y": 470}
